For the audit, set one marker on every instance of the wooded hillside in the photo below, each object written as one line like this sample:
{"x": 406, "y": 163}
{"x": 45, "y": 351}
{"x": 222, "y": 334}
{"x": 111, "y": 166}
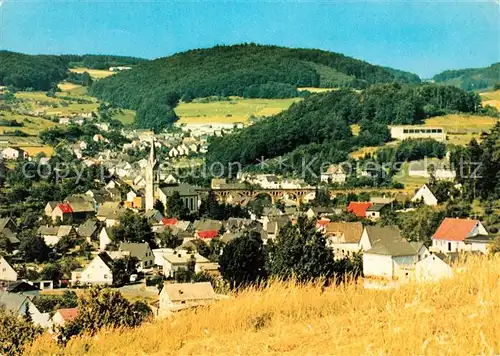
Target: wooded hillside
{"x": 247, "y": 70}
{"x": 471, "y": 78}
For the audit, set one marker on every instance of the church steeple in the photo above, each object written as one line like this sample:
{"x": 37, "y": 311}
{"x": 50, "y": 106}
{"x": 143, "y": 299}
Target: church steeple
{"x": 152, "y": 178}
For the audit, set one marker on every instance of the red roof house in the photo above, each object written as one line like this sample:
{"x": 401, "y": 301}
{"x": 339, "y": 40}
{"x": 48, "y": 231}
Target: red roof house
{"x": 451, "y": 234}
{"x": 457, "y": 229}
{"x": 208, "y": 234}
{"x": 169, "y": 221}
{"x": 359, "y": 208}
{"x": 64, "y": 315}
{"x": 65, "y": 208}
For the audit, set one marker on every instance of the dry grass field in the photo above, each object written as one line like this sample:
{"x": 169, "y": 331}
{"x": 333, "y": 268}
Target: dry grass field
{"x": 316, "y": 90}
{"x": 230, "y": 111}
{"x": 94, "y": 73}
{"x": 458, "y": 316}
{"x": 491, "y": 98}
{"x": 462, "y": 128}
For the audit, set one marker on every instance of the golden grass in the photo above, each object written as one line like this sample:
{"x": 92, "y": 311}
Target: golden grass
{"x": 491, "y": 98}
{"x": 316, "y": 90}
{"x": 66, "y": 87}
{"x": 34, "y": 150}
{"x": 461, "y": 128}
{"x": 453, "y": 317}
{"x": 229, "y": 112}
{"x": 94, "y": 73}
{"x": 32, "y": 125}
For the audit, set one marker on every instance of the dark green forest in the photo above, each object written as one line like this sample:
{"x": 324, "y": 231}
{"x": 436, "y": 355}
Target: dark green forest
{"x": 317, "y": 129}
{"x": 99, "y": 61}
{"x": 471, "y": 78}
{"x": 246, "y": 70}
{"x": 22, "y": 71}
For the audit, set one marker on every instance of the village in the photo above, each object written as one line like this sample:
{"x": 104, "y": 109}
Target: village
{"x": 143, "y": 215}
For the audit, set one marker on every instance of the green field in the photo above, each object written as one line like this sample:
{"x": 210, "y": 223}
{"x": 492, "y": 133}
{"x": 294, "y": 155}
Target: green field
{"x": 461, "y": 128}
{"x": 126, "y": 118}
{"x": 230, "y": 111}
{"x": 39, "y": 101}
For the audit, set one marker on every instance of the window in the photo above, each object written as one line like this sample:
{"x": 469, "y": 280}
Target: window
{"x": 405, "y": 131}
{"x": 449, "y": 246}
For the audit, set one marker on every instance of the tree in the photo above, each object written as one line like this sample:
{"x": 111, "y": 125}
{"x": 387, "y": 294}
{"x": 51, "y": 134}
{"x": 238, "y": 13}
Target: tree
{"x": 16, "y": 333}
{"x": 175, "y": 207}
{"x": 123, "y": 268}
{"x": 322, "y": 198}
{"x": 301, "y": 252}
{"x": 243, "y": 261}
{"x": 421, "y": 224}
{"x": 51, "y": 272}
{"x": 133, "y": 228}
{"x": 159, "y": 206}
{"x": 98, "y": 308}
{"x": 33, "y": 248}
{"x": 168, "y": 240}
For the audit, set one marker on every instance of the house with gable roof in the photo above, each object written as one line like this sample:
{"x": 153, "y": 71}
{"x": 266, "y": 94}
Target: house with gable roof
{"x": 343, "y": 238}
{"x": 98, "y": 272}
{"x": 180, "y": 296}
{"x": 359, "y": 208}
{"x": 452, "y": 233}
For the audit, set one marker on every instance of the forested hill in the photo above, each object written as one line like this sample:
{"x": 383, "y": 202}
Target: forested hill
{"x": 43, "y": 72}
{"x": 471, "y": 78}
{"x": 247, "y": 70}
{"x": 100, "y": 61}
{"x": 317, "y": 129}
{"x": 39, "y": 72}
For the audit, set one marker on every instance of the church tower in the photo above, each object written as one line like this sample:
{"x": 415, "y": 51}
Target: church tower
{"x": 152, "y": 178}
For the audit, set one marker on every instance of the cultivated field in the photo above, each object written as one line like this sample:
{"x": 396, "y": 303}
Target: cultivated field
{"x": 458, "y": 316}
{"x": 230, "y": 111}
{"x": 462, "y": 128}
{"x": 316, "y": 90}
{"x": 127, "y": 117}
{"x": 94, "y": 73}
{"x": 58, "y": 106}
{"x": 491, "y": 98}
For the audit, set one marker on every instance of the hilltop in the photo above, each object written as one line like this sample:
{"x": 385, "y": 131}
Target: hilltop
{"x": 247, "y": 70}
{"x": 456, "y": 316}
{"x": 471, "y": 78}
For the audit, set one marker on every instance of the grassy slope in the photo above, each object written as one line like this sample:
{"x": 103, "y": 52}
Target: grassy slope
{"x": 491, "y": 98}
{"x": 455, "y": 317}
{"x": 94, "y": 73}
{"x": 462, "y": 128}
{"x": 236, "y": 110}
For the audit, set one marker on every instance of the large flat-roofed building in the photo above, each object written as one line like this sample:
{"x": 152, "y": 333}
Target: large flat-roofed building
{"x": 404, "y": 132}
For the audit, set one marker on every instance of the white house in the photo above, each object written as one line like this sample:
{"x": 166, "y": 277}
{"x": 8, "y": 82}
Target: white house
{"x": 425, "y": 195}
{"x": 334, "y": 174}
{"x": 64, "y": 315}
{"x": 7, "y": 273}
{"x": 480, "y": 243}
{"x": 14, "y": 153}
{"x": 343, "y": 238}
{"x": 98, "y": 272}
{"x": 105, "y": 237}
{"x": 179, "y": 296}
{"x": 442, "y": 168}
{"x": 432, "y": 268}
{"x": 179, "y": 260}
{"x": 451, "y": 234}
{"x": 19, "y": 304}
{"x": 141, "y": 251}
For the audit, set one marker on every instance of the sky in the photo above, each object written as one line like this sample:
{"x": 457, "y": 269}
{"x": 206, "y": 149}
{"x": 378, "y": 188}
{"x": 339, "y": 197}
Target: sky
{"x": 424, "y": 37}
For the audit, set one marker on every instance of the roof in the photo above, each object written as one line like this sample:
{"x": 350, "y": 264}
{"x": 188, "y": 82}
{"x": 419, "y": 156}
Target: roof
{"x": 183, "y": 189}
{"x": 169, "y": 221}
{"x": 486, "y": 239}
{"x": 208, "y": 234}
{"x": 108, "y": 261}
{"x": 352, "y": 231}
{"x": 359, "y": 208}
{"x": 393, "y": 248}
{"x": 88, "y": 228}
{"x": 20, "y": 286}
{"x": 137, "y": 250}
{"x": 65, "y": 208}
{"x": 178, "y": 292}
{"x": 111, "y": 209}
{"x": 12, "y": 301}
{"x": 68, "y": 314}
{"x": 183, "y": 257}
{"x": 324, "y": 210}
{"x": 64, "y": 230}
{"x": 48, "y": 230}
{"x": 382, "y": 234}
{"x": 228, "y": 237}
{"x": 335, "y": 169}
{"x": 454, "y": 229}
{"x": 376, "y": 207}
{"x": 12, "y": 237}
{"x": 4, "y": 222}
{"x": 52, "y": 204}
{"x": 79, "y": 203}
{"x": 207, "y": 224}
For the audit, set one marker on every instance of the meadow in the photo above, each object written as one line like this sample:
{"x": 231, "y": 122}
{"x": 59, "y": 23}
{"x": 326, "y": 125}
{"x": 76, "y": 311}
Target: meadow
{"x": 94, "y": 73}
{"x": 457, "y": 316}
{"x": 230, "y": 111}
{"x": 461, "y": 128}
{"x": 491, "y": 98}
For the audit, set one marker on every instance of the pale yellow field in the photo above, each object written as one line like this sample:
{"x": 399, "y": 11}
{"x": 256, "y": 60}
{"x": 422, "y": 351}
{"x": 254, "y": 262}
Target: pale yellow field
{"x": 316, "y": 90}
{"x": 40, "y": 101}
{"x": 67, "y": 87}
{"x": 32, "y": 125}
{"x": 236, "y": 110}
{"x": 460, "y": 129}
{"x": 34, "y": 150}
{"x": 457, "y": 316}
{"x": 491, "y": 98}
{"x": 360, "y": 153}
{"x": 94, "y": 73}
